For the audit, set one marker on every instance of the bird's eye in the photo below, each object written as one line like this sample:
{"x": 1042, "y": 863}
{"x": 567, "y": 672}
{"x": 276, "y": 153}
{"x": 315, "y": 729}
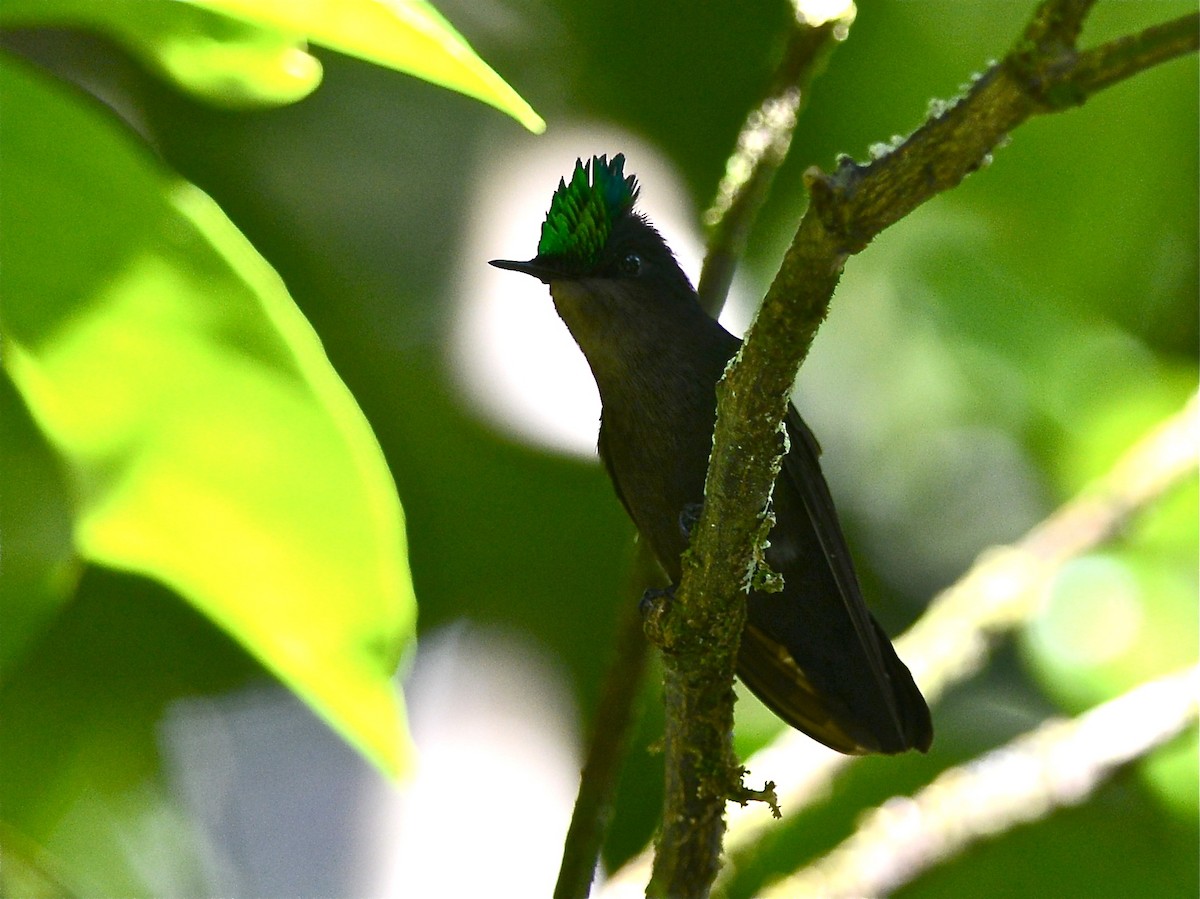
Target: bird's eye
{"x": 631, "y": 265}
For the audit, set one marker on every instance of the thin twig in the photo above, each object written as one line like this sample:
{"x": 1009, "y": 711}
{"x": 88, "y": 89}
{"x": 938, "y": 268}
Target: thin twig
{"x": 762, "y": 146}
{"x": 1098, "y": 68}
{"x": 616, "y": 715}
{"x": 1060, "y": 763}
{"x": 1058, "y": 21}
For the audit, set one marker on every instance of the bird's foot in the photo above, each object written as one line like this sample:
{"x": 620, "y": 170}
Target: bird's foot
{"x": 656, "y": 605}
{"x": 689, "y": 518}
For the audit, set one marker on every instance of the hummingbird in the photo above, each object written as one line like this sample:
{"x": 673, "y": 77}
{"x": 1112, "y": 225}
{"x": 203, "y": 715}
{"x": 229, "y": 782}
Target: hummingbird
{"x": 811, "y": 652}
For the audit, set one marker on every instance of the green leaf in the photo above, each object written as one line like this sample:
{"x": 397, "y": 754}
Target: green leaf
{"x": 253, "y": 52}
{"x": 38, "y": 565}
{"x": 406, "y": 35}
{"x": 209, "y": 443}
{"x": 231, "y": 62}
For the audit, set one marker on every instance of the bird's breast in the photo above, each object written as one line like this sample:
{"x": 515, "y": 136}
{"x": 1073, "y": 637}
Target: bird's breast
{"x": 655, "y": 445}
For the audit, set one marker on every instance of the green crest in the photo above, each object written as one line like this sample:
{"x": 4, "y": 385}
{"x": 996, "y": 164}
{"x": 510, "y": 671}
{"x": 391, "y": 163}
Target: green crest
{"x": 582, "y": 213}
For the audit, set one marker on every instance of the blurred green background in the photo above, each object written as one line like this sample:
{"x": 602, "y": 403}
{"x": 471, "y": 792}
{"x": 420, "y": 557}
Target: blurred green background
{"x": 983, "y": 360}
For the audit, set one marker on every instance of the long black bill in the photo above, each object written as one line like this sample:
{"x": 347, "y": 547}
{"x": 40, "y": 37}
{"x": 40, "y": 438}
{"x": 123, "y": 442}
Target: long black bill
{"x": 534, "y": 267}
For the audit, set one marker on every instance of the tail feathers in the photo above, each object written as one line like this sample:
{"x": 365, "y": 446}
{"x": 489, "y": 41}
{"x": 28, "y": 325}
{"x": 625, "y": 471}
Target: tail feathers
{"x": 916, "y": 724}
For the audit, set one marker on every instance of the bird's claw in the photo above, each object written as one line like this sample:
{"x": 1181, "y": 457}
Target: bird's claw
{"x": 655, "y": 605}
{"x": 688, "y": 519}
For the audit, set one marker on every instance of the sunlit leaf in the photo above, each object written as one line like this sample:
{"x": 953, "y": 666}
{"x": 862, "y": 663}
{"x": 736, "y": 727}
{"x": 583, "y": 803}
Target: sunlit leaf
{"x": 253, "y": 52}
{"x": 408, "y": 35}
{"x": 209, "y": 443}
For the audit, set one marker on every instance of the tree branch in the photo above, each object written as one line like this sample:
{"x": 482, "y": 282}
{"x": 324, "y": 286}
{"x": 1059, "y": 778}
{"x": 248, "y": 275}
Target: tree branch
{"x": 1060, "y": 763}
{"x": 858, "y": 201}
{"x": 951, "y": 641}
{"x": 700, "y": 633}
{"x": 701, "y": 771}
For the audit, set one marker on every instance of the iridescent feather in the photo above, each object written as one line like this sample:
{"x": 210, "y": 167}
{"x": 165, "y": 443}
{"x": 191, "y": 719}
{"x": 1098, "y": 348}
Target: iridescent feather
{"x": 582, "y": 213}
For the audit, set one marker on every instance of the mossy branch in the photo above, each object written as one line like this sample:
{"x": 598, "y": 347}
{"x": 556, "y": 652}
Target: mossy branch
{"x": 858, "y": 201}
{"x": 951, "y": 641}
{"x": 700, "y": 633}
{"x": 701, "y": 770}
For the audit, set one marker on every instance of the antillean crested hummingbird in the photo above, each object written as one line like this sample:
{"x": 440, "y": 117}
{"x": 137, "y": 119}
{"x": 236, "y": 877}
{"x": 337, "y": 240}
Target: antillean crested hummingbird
{"x": 811, "y": 652}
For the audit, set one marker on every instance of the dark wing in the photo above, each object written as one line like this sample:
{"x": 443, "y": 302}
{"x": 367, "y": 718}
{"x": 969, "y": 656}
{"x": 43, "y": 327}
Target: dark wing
{"x": 767, "y": 668}
{"x": 606, "y": 461}
{"x": 813, "y": 653}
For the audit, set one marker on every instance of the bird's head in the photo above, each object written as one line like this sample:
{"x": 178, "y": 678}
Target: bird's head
{"x": 592, "y": 233}
{"x": 615, "y": 283}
